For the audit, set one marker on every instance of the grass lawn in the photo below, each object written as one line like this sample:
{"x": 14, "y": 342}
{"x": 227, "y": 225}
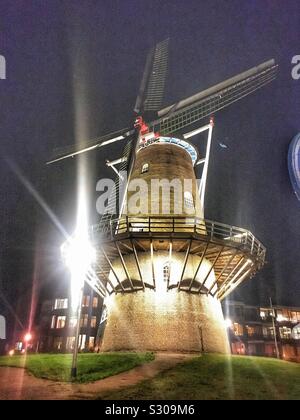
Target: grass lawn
{"x": 214, "y": 377}
{"x": 91, "y": 367}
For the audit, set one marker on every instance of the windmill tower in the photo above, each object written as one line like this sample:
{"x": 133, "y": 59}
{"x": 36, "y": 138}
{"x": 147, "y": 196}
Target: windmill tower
{"x": 161, "y": 267}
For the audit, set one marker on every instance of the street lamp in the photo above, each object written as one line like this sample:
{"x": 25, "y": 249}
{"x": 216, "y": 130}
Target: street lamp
{"x": 27, "y": 339}
{"x": 78, "y": 255}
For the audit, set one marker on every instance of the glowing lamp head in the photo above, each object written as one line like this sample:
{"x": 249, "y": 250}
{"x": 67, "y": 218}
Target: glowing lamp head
{"x": 27, "y": 337}
{"x": 11, "y": 352}
{"x": 78, "y": 255}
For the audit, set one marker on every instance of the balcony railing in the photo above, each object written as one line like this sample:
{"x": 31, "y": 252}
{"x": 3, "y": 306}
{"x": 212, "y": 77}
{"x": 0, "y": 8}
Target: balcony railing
{"x": 207, "y": 229}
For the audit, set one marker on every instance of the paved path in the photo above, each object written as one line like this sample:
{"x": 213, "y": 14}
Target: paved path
{"x": 17, "y": 384}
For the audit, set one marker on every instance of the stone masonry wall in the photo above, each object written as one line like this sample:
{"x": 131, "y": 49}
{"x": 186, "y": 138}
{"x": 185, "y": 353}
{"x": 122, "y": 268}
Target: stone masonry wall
{"x": 173, "y": 321}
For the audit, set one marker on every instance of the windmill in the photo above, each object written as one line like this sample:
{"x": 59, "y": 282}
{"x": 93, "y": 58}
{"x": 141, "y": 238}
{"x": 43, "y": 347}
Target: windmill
{"x": 163, "y": 276}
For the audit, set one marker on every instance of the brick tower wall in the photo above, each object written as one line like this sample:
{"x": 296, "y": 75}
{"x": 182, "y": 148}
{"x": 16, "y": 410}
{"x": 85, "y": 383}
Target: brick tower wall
{"x": 177, "y": 322}
{"x": 162, "y": 320}
{"x": 166, "y": 161}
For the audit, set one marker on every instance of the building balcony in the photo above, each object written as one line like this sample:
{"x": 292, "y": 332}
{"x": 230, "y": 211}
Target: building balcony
{"x": 229, "y": 253}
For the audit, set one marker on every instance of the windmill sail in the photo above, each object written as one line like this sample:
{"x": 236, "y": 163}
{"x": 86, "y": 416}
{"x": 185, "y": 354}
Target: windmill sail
{"x": 157, "y": 79}
{"x": 187, "y": 111}
{"x": 74, "y": 150}
{"x": 149, "y": 99}
{"x": 141, "y": 95}
{"x": 153, "y": 82}
{"x": 115, "y": 198}
{"x": 207, "y": 102}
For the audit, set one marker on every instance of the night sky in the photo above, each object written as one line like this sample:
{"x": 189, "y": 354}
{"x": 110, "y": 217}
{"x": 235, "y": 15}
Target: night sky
{"x": 57, "y": 49}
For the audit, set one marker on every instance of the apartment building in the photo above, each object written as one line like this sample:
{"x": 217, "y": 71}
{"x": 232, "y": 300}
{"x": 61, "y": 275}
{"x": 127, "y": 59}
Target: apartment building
{"x": 253, "y": 330}
{"x": 57, "y": 324}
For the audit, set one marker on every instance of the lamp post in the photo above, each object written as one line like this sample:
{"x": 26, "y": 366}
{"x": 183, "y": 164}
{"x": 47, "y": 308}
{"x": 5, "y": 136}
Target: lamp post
{"x": 274, "y": 330}
{"x": 78, "y": 255}
{"x": 77, "y": 335}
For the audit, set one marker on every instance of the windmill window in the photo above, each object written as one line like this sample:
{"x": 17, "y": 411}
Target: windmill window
{"x": 145, "y": 168}
{"x": 166, "y": 272}
{"x": 188, "y": 200}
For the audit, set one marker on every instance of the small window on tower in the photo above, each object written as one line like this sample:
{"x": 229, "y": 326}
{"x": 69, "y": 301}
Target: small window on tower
{"x": 145, "y": 168}
{"x": 188, "y": 200}
{"x": 166, "y": 272}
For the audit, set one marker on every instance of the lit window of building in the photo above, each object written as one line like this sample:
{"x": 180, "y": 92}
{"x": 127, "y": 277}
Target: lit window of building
{"x": 145, "y": 168}
{"x": 268, "y": 331}
{"x": 250, "y": 330}
{"x": 58, "y": 343}
{"x": 188, "y": 200}
{"x": 86, "y": 301}
{"x": 93, "y": 322}
{"x": 283, "y": 315}
{"x": 296, "y": 333}
{"x": 61, "y": 304}
{"x": 84, "y": 320}
{"x": 73, "y": 322}
{"x": 253, "y": 330}
{"x": 91, "y": 343}
{"x": 263, "y": 314}
{"x": 82, "y": 341}
{"x": 61, "y": 322}
{"x": 95, "y": 302}
{"x": 70, "y": 343}
{"x": 295, "y": 316}
{"x": 53, "y": 322}
{"x": 238, "y": 329}
{"x": 285, "y": 333}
